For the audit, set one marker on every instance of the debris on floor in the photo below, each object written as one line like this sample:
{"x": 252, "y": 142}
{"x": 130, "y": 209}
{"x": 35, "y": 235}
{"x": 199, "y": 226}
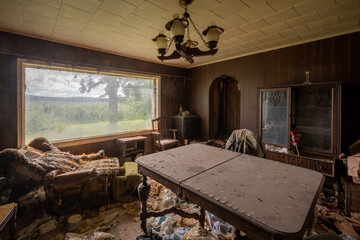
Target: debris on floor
{"x": 198, "y": 233}
{"x": 94, "y": 236}
{"x": 38, "y": 227}
{"x": 120, "y": 221}
{"x": 336, "y": 220}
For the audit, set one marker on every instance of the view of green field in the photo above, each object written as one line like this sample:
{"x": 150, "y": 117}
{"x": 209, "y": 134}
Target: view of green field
{"x": 62, "y": 120}
{"x": 90, "y": 129}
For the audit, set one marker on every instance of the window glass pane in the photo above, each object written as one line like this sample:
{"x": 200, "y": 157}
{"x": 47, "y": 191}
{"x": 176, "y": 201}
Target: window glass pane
{"x": 274, "y": 117}
{"x": 62, "y": 105}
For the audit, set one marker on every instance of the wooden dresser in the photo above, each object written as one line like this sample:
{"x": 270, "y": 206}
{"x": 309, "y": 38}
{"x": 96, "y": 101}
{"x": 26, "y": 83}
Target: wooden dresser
{"x": 188, "y": 127}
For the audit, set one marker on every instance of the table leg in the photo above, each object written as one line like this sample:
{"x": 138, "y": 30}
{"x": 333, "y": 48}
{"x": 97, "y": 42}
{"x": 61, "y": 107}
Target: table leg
{"x": 13, "y": 225}
{"x": 310, "y": 230}
{"x": 202, "y": 217}
{"x": 237, "y": 234}
{"x": 143, "y": 191}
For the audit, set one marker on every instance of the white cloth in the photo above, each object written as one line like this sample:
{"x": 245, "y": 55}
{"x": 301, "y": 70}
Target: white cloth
{"x": 354, "y": 167}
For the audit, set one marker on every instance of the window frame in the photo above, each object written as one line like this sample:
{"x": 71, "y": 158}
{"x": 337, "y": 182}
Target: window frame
{"x": 22, "y": 63}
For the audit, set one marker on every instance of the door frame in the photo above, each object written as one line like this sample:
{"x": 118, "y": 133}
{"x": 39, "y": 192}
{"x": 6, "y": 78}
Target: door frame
{"x": 211, "y": 100}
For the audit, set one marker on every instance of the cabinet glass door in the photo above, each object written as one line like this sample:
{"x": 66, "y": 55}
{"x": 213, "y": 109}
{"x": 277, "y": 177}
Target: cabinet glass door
{"x": 313, "y": 117}
{"x": 275, "y": 116}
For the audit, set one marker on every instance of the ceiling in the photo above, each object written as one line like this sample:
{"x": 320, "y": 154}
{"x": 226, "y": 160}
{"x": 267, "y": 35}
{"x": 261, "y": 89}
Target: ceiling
{"x": 126, "y": 27}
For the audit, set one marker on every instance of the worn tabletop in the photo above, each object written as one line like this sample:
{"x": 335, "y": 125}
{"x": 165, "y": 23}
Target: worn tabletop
{"x": 275, "y": 195}
{"x": 179, "y": 164}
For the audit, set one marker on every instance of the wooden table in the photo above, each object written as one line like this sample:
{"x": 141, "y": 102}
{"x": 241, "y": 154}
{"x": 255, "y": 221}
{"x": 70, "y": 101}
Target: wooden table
{"x": 129, "y": 147}
{"x": 263, "y": 198}
{"x": 8, "y": 213}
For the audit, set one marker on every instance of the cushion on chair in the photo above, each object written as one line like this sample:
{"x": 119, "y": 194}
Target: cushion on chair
{"x": 126, "y": 184}
{"x": 168, "y": 141}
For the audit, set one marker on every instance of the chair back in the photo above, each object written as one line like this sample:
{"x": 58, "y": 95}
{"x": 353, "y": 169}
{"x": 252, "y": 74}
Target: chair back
{"x": 159, "y": 125}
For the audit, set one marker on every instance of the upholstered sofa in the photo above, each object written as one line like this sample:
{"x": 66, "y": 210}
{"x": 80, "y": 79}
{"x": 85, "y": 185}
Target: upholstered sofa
{"x": 70, "y": 181}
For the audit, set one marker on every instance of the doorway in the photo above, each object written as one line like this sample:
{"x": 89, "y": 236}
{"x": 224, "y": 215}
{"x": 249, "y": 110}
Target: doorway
{"x": 224, "y": 112}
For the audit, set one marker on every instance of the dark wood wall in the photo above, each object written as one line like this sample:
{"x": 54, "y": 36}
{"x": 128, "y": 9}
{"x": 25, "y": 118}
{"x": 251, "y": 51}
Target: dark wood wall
{"x": 329, "y": 60}
{"x": 14, "y": 46}
{"x": 334, "y": 59}
{"x": 248, "y": 71}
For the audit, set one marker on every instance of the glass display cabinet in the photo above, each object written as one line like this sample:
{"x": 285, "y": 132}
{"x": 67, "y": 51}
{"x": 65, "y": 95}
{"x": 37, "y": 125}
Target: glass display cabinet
{"x": 314, "y": 110}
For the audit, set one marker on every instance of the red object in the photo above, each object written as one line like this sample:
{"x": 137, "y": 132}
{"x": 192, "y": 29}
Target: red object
{"x": 295, "y": 136}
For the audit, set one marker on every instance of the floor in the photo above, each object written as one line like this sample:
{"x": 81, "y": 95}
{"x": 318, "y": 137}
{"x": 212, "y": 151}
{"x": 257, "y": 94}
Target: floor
{"x": 125, "y": 223}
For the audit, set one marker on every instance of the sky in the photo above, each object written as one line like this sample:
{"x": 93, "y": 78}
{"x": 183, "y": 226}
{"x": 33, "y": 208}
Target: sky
{"x": 56, "y": 83}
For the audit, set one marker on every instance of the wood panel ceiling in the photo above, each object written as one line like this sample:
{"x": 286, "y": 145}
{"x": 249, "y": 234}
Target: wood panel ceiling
{"x": 126, "y": 27}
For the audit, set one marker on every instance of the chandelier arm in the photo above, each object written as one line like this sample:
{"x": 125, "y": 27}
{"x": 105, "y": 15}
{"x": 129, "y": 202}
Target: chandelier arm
{"x": 197, "y": 31}
{"x": 167, "y": 50}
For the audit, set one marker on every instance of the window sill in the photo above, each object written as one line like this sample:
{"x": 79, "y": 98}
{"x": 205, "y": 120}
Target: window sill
{"x": 82, "y": 141}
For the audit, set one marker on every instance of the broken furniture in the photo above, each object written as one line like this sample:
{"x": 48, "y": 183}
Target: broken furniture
{"x": 130, "y": 147}
{"x": 245, "y": 141}
{"x": 8, "y": 214}
{"x": 69, "y": 180}
{"x": 263, "y": 198}
{"x": 313, "y": 109}
{"x": 84, "y": 188}
{"x": 161, "y": 138}
{"x": 126, "y": 182}
{"x": 188, "y": 127}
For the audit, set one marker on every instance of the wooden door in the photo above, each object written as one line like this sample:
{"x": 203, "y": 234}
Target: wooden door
{"x": 232, "y": 106}
{"x": 216, "y": 103}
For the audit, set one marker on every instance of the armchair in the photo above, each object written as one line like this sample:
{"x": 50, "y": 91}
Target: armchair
{"x": 161, "y": 133}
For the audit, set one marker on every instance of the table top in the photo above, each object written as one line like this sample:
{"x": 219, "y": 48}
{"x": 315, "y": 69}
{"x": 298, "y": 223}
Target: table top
{"x": 132, "y": 139}
{"x": 181, "y": 163}
{"x": 269, "y": 195}
{"x": 277, "y": 195}
{"x": 6, "y": 212}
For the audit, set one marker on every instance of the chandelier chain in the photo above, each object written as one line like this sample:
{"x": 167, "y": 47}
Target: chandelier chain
{"x": 198, "y": 32}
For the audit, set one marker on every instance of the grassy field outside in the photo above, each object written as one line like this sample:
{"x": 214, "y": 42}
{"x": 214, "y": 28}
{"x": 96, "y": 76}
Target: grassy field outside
{"x": 75, "y": 131}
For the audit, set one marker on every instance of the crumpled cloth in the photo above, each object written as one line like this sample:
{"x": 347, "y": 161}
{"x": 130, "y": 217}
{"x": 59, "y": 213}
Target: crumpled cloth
{"x": 353, "y": 163}
{"x": 245, "y": 141}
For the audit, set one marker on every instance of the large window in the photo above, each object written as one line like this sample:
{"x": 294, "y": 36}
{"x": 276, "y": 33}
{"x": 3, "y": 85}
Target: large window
{"x": 63, "y": 103}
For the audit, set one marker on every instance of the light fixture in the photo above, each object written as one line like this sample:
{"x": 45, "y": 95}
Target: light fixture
{"x": 189, "y": 48}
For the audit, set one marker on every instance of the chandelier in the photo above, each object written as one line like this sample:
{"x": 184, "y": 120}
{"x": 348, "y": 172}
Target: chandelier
{"x": 188, "y": 49}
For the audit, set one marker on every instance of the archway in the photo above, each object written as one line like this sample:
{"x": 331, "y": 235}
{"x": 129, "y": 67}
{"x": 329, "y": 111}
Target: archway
{"x": 224, "y": 106}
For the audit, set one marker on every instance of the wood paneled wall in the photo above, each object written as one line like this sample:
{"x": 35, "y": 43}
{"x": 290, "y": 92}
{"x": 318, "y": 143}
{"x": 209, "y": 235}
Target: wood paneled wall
{"x": 13, "y": 46}
{"x": 248, "y": 71}
{"x": 334, "y": 59}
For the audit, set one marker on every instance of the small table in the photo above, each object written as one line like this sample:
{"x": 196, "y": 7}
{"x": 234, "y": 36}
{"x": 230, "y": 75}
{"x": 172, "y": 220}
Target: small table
{"x": 263, "y": 198}
{"x": 129, "y": 147}
{"x": 8, "y": 213}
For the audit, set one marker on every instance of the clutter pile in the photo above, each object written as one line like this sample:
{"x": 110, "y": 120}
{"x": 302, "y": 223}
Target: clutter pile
{"x": 333, "y": 219}
{"x": 92, "y": 224}
{"x": 174, "y": 227}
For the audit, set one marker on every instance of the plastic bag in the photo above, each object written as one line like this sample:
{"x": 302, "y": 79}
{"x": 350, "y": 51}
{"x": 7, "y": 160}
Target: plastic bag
{"x": 161, "y": 225}
{"x": 219, "y": 227}
{"x": 198, "y": 233}
{"x": 177, "y": 234}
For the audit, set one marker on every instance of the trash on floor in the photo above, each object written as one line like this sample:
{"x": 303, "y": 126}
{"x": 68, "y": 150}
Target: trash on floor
{"x": 198, "y": 233}
{"x": 219, "y": 228}
{"x": 339, "y": 222}
{"x": 38, "y": 227}
{"x": 94, "y": 236}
